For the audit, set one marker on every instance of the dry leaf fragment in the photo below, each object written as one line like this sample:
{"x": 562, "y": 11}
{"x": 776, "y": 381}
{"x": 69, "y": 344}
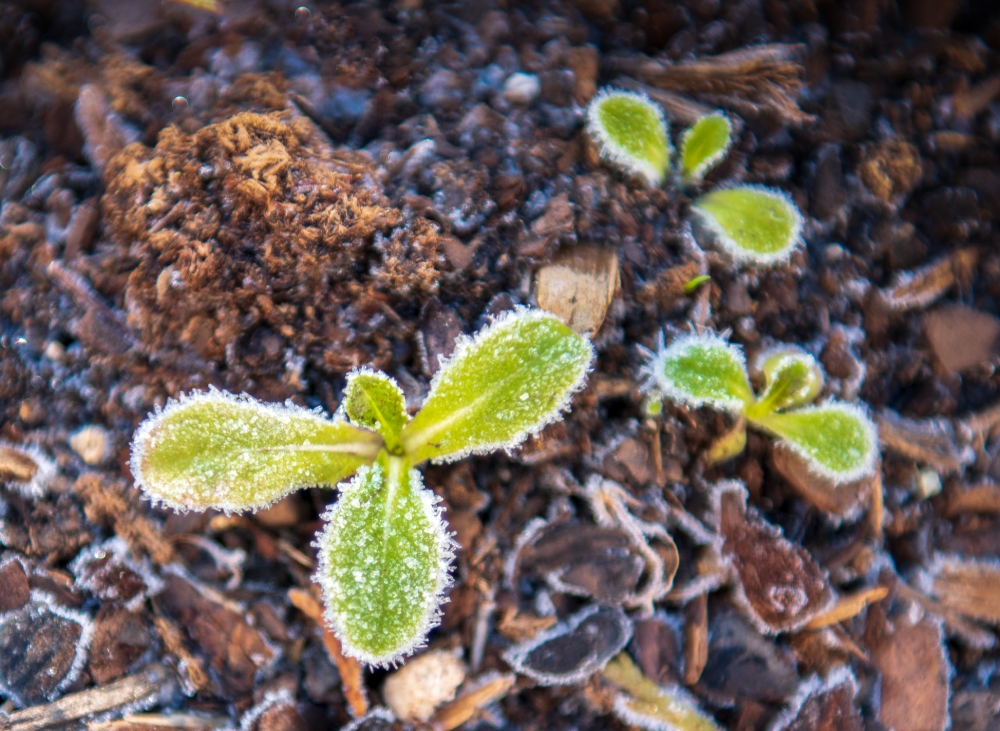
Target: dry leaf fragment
{"x": 841, "y": 502}
{"x": 25, "y": 469}
{"x": 969, "y": 587}
{"x": 823, "y": 705}
{"x": 779, "y": 585}
{"x": 847, "y": 607}
{"x": 961, "y": 337}
{"x": 983, "y": 497}
{"x": 578, "y": 286}
{"x": 482, "y": 692}
{"x": 915, "y": 672}
{"x": 919, "y": 288}
{"x": 930, "y": 442}
{"x": 744, "y": 664}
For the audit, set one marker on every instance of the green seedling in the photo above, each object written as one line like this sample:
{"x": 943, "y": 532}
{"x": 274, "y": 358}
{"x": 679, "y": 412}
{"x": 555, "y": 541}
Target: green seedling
{"x": 631, "y": 133}
{"x": 704, "y": 146}
{"x": 837, "y": 440}
{"x": 692, "y": 284}
{"x": 384, "y": 552}
{"x": 753, "y": 224}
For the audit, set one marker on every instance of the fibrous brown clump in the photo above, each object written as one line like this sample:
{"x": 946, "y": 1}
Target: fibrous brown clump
{"x": 252, "y": 237}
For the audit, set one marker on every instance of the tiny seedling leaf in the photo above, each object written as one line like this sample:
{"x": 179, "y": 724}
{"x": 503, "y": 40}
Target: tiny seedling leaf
{"x": 512, "y": 379}
{"x": 217, "y": 450}
{"x": 648, "y": 706}
{"x": 838, "y": 440}
{"x": 792, "y": 378}
{"x": 692, "y": 284}
{"x": 383, "y": 558}
{"x": 374, "y": 401}
{"x": 704, "y": 145}
{"x": 754, "y": 224}
{"x": 701, "y": 370}
{"x": 631, "y": 133}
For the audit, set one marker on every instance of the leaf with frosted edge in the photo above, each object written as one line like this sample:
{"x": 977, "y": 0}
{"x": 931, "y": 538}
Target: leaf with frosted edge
{"x": 374, "y": 400}
{"x": 646, "y": 705}
{"x": 700, "y": 370}
{"x": 838, "y": 440}
{"x": 217, "y": 450}
{"x": 512, "y": 379}
{"x": 792, "y": 378}
{"x": 754, "y": 224}
{"x": 704, "y": 145}
{"x": 383, "y": 562}
{"x": 631, "y": 133}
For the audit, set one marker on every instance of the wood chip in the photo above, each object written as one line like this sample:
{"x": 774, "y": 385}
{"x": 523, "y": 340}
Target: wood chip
{"x": 971, "y": 588}
{"x": 578, "y": 286}
{"x": 983, "y": 497}
{"x": 486, "y": 690}
{"x": 847, "y": 607}
{"x": 920, "y": 288}
{"x": 961, "y": 337}
{"x": 844, "y": 501}
{"x": 929, "y": 442}
{"x": 823, "y": 704}
{"x": 695, "y": 638}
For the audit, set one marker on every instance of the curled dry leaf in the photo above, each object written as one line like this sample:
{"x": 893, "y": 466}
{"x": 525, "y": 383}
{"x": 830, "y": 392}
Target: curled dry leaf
{"x": 779, "y": 585}
{"x": 823, "y": 704}
{"x": 571, "y": 652}
{"x": 969, "y": 587}
{"x": 931, "y": 442}
{"x": 840, "y": 502}
{"x": 921, "y": 287}
{"x": 578, "y": 286}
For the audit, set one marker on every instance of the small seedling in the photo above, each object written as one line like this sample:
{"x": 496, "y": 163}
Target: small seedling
{"x": 384, "y": 553}
{"x": 837, "y": 440}
{"x": 631, "y": 133}
{"x": 752, "y": 223}
{"x": 704, "y": 146}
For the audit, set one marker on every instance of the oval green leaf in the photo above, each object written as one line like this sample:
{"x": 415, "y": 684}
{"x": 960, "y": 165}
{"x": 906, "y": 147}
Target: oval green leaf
{"x": 630, "y": 132}
{"x": 383, "y": 562}
{"x": 792, "y": 378}
{"x": 217, "y": 450}
{"x": 838, "y": 440}
{"x": 754, "y": 224}
{"x": 704, "y": 145}
{"x": 373, "y": 400}
{"x": 702, "y": 370}
{"x": 512, "y": 379}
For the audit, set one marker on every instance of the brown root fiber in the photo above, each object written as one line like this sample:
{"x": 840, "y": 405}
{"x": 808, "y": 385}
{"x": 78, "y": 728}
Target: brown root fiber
{"x": 255, "y": 225}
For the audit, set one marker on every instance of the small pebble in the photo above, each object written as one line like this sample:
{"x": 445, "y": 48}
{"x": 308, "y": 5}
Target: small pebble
{"x": 55, "y": 351}
{"x": 521, "y": 88}
{"x": 92, "y": 443}
{"x": 928, "y": 484}
{"x": 424, "y": 683}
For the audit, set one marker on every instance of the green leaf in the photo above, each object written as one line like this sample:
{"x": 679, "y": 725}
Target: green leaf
{"x": 838, "y": 440}
{"x": 374, "y": 401}
{"x": 792, "y": 378}
{"x": 754, "y": 224}
{"x": 700, "y": 370}
{"x": 383, "y": 562}
{"x": 512, "y": 379}
{"x": 704, "y": 145}
{"x": 649, "y": 706}
{"x": 217, "y": 450}
{"x": 631, "y": 133}
{"x": 692, "y": 284}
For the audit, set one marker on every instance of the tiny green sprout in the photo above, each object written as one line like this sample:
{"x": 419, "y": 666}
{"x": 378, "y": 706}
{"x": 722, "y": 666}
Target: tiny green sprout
{"x": 630, "y": 132}
{"x": 692, "y": 284}
{"x": 704, "y": 146}
{"x": 838, "y": 440}
{"x": 752, "y": 223}
{"x": 384, "y": 552}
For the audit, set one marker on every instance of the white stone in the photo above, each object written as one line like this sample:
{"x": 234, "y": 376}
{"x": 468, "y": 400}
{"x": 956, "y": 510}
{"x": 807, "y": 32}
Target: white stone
{"x": 424, "y": 683}
{"x": 521, "y": 88}
{"x": 92, "y": 443}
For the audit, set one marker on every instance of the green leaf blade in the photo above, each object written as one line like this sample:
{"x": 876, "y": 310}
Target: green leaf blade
{"x": 702, "y": 370}
{"x": 631, "y": 133}
{"x": 383, "y": 562}
{"x": 234, "y": 453}
{"x": 512, "y": 379}
{"x": 752, "y": 223}
{"x": 374, "y": 401}
{"x": 792, "y": 378}
{"x": 704, "y": 145}
{"x": 838, "y": 440}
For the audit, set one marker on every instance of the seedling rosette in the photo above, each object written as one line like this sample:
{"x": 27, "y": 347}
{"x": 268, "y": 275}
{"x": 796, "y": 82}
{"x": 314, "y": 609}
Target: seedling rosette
{"x": 837, "y": 440}
{"x": 385, "y": 551}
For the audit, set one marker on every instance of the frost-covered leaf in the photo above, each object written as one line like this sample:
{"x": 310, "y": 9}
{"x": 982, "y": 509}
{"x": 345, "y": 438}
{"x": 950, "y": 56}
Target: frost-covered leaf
{"x": 631, "y": 133}
{"x": 512, "y": 379}
{"x": 374, "y": 400}
{"x": 646, "y": 705}
{"x": 705, "y": 145}
{"x": 754, "y": 224}
{"x": 700, "y": 370}
{"x": 792, "y": 378}
{"x": 217, "y": 450}
{"x": 838, "y": 440}
{"x": 383, "y": 562}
